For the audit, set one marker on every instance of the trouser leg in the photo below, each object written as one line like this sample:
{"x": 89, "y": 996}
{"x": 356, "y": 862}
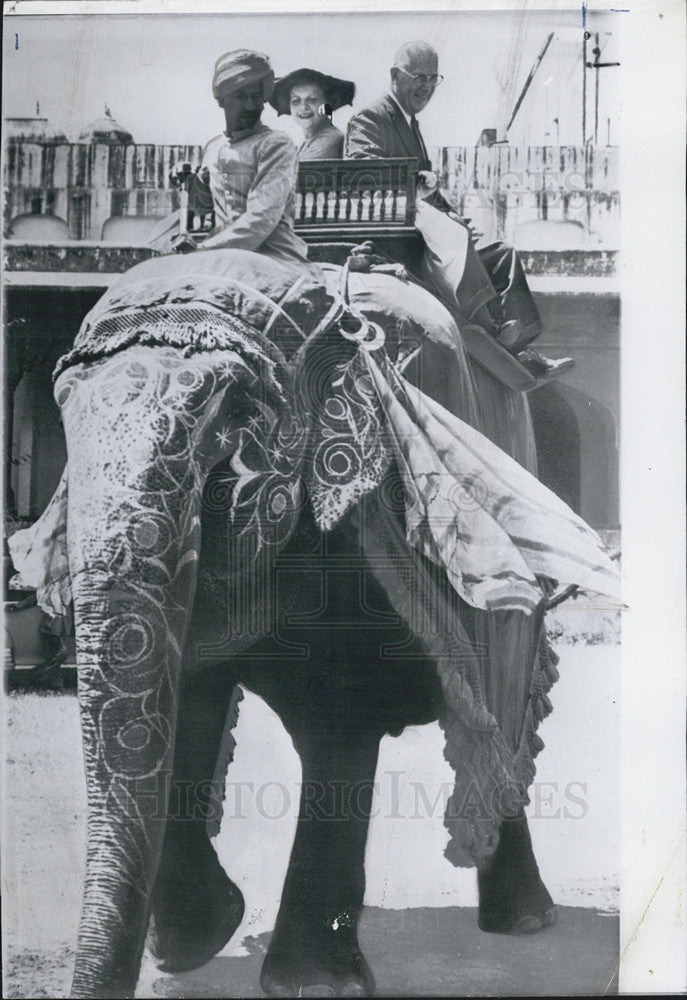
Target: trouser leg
{"x": 514, "y": 299}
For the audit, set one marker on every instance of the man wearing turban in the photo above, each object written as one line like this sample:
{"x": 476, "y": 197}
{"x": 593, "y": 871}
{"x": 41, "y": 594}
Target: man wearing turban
{"x": 248, "y": 171}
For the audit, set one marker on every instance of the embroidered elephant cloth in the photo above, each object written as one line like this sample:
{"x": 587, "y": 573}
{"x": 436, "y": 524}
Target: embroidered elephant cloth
{"x": 333, "y": 414}
{"x": 321, "y": 415}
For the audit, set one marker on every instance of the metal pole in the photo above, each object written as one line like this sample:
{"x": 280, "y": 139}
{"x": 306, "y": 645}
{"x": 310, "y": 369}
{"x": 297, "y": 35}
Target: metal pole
{"x": 597, "y": 55}
{"x": 528, "y": 81}
{"x": 584, "y": 88}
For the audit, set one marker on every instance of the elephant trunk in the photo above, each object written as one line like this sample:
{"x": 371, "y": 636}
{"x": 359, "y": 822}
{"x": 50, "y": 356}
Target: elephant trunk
{"x": 128, "y": 654}
{"x": 139, "y": 429}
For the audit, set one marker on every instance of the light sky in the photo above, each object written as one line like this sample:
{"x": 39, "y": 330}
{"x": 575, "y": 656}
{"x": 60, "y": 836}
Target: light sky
{"x": 154, "y": 71}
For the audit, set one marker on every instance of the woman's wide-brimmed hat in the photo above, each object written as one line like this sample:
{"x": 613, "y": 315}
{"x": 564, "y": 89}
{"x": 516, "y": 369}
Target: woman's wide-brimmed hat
{"x": 336, "y": 92}
{"x": 236, "y": 69}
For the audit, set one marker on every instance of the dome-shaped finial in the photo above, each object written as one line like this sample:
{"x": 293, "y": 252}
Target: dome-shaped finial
{"x": 106, "y": 130}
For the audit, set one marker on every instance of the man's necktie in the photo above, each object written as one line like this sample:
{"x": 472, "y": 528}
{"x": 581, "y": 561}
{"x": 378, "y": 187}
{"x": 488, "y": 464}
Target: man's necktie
{"x": 421, "y": 142}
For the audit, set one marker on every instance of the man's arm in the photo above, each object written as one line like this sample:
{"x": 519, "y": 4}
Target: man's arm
{"x": 267, "y": 198}
{"x": 365, "y": 139}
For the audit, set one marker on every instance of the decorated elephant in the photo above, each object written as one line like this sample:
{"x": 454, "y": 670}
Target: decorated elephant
{"x": 256, "y": 493}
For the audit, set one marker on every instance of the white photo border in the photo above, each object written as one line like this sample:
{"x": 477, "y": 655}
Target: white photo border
{"x": 653, "y": 933}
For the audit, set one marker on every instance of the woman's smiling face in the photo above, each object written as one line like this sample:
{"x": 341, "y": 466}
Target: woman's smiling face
{"x": 305, "y": 99}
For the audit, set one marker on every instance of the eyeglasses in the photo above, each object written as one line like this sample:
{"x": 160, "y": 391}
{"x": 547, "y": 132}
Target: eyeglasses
{"x": 422, "y": 78}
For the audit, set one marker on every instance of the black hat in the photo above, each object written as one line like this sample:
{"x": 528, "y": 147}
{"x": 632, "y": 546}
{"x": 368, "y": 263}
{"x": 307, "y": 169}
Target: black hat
{"x": 336, "y": 92}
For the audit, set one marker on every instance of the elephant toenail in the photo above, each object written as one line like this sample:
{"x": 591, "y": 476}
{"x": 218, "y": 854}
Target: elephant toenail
{"x": 316, "y": 990}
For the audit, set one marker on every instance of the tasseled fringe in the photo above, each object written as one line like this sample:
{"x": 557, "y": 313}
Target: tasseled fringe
{"x": 491, "y": 783}
{"x": 199, "y": 334}
{"x": 542, "y": 707}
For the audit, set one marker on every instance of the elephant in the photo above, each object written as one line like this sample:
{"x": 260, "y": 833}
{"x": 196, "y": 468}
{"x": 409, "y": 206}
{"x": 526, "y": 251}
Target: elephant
{"x": 222, "y": 528}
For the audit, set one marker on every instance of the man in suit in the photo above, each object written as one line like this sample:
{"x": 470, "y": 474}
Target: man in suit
{"x": 493, "y": 291}
{"x": 390, "y": 127}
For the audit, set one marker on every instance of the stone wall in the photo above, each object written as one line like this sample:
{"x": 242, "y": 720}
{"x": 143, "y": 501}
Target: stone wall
{"x": 85, "y": 185}
{"x": 504, "y": 189}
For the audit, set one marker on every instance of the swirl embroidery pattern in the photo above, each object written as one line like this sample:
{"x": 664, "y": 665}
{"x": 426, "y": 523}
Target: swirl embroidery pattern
{"x": 144, "y": 427}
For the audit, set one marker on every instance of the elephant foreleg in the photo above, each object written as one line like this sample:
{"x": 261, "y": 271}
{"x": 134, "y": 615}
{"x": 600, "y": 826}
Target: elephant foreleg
{"x": 195, "y": 907}
{"x": 315, "y": 941}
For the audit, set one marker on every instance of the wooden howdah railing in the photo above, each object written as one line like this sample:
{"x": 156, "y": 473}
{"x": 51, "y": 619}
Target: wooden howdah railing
{"x": 351, "y": 192}
{"x": 346, "y": 194}
{"x": 343, "y": 202}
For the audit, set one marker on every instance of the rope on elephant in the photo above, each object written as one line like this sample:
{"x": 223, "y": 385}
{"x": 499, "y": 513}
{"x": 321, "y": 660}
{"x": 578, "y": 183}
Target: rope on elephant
{"x": 351, "y": 323}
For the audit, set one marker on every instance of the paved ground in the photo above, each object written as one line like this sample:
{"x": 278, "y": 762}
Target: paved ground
{"x": 419, "y": 928}
{"x": 419, "y": 952}
{"x": 440, "y": 952}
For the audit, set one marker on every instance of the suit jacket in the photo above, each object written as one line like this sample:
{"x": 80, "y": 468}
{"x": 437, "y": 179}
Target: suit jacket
{"x": 382, "y": 131}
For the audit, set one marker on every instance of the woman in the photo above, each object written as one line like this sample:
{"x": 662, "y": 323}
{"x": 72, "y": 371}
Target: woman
{"x": 304, "y": 94}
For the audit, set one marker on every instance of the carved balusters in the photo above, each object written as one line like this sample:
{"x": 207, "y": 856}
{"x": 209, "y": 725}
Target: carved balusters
{"x": 394, "y": 203}
{"x": 348, "y": 204}
{"x": 377, "y": 192}
{"x": 337, "y": 199}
